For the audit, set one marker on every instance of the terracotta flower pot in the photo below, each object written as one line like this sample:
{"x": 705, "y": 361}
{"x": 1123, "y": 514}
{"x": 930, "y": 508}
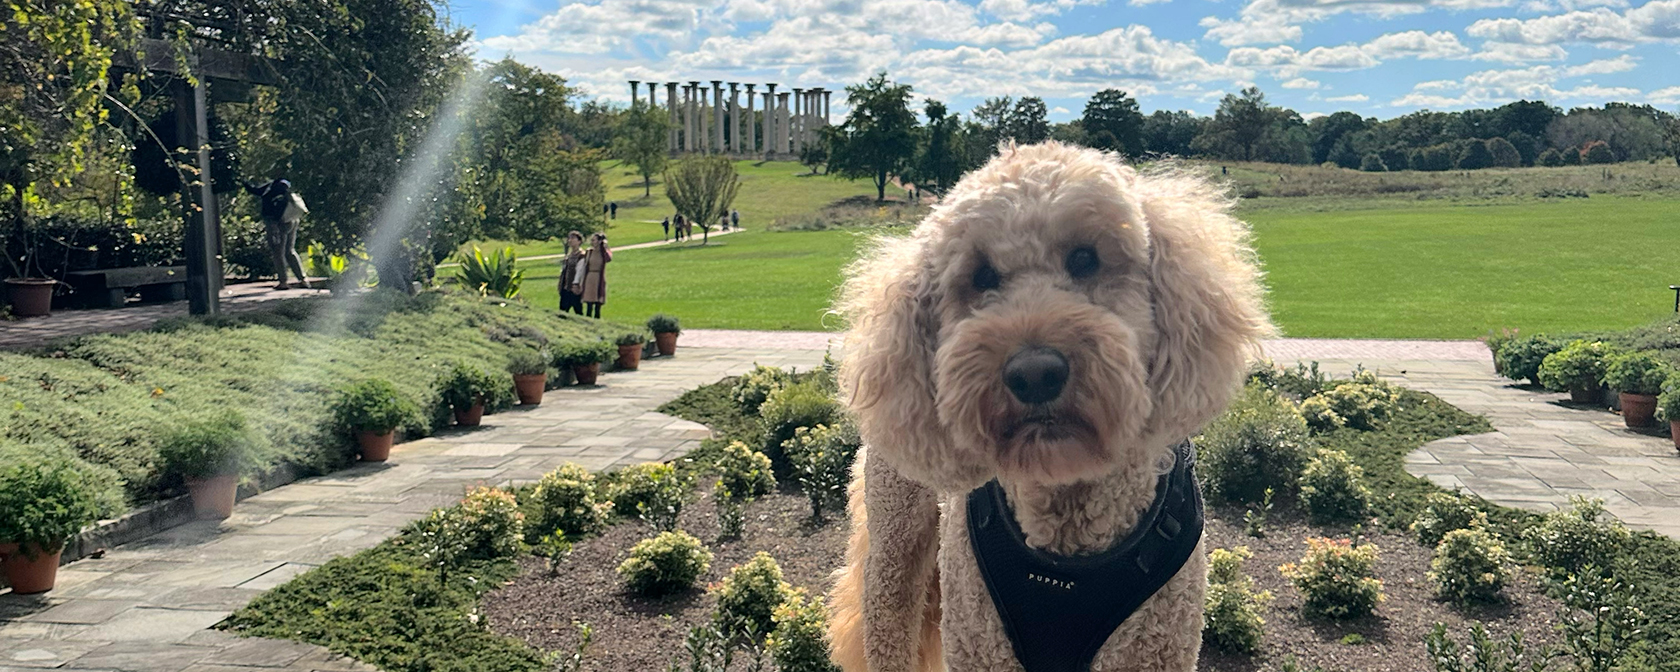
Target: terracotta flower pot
{"x": 469, "y": 417}
{"x": 1639, "y": 410}
{"x": 667, "y": 343}
{"x": 1586, "y": 395}
{"x": 587, "y": 374}
{"x": 629, "y": 357}
{"x": 30, "y": 297}
{"x": 31, "y": 575}
{"x": 213, "y": 497}
{"x": 376, "y": 447}
{"x": 530, "y": 387}
{"x": 1674, "y": 432}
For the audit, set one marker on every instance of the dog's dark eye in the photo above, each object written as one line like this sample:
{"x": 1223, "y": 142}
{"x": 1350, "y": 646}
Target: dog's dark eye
{"x": 1082, "y": 262}
{"x": 986, "y": 278}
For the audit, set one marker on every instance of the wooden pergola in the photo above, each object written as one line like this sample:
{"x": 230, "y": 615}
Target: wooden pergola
{"x": 217, "y": 74}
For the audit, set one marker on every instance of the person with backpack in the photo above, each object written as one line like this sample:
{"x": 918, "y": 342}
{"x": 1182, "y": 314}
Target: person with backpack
{"x": 282, "y": 209}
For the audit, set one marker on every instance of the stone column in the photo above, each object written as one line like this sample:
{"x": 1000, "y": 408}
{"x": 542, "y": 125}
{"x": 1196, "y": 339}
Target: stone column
{"x": 826, "y": 119}
{"x": 797, "y": 125}
{"x": 734, "y": 118}
{"x": 704, "y": 135}
{"x": 751, "y": 128}
{"x": 696, "y": 106}
{"x": 671, "y": 102}
{"x": 782, "y": 121}
{"x": 769, "y": 120}
{"x": 688, "y": 117}
{"x": 635, "y": 85}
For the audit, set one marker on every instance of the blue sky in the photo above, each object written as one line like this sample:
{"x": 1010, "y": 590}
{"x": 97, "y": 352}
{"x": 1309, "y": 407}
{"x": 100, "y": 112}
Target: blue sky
{"x": 1377, "y": 57}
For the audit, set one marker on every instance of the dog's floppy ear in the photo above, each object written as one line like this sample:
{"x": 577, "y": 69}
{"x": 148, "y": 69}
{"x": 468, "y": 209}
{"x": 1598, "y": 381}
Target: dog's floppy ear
{"x": 888, "y": 301}
{"x": 1208, "y": 301}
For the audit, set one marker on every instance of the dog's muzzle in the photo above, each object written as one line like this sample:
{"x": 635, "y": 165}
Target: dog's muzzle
{"x": 1036, "y": 375}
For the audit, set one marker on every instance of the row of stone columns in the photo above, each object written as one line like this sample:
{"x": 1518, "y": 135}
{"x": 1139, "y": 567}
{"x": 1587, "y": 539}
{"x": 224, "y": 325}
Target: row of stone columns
{"x": 699, "y": 119}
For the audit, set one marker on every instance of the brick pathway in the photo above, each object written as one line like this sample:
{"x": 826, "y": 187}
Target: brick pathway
{"x": 146, "y": 606}
{"x": 36, "y": 331}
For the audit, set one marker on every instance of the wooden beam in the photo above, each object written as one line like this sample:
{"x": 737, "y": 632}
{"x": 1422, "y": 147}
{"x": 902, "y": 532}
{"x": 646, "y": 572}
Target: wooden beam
{"x": 209, "y": 63}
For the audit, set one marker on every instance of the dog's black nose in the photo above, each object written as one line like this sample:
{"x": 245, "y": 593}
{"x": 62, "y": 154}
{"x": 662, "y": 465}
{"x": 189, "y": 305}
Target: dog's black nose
{"x": 1036, "y": 375}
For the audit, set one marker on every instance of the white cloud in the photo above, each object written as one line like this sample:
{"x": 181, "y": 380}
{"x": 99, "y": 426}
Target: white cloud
{"x": 1490, "y": 87}
{"x": 1601, "y": 26}
{"x": 1287, "y": 60}
{"x": 1665, "y": 96}
{"x": 1301, "y": 83}
{"x": 1277, "y": 21}
{"x": 601, "y": 26}
{"x": 1131, "y": 57}
{"x": 1027, "y": 10}
{"x": 1250, "y": 30}
{"x": 1417, "y": 44}
{"x": 1506, "y": 52}
{"x": 1355, "y": 98}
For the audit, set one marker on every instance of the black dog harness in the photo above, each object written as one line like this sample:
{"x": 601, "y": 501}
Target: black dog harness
{"x": 1059, "y": 610}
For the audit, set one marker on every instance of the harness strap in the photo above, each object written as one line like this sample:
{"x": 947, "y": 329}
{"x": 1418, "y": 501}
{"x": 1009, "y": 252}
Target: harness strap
{"x": 1059, "y": 610}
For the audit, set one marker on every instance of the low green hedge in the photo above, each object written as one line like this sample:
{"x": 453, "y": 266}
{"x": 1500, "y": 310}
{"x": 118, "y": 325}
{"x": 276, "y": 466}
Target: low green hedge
{"x": 111, "y": 398}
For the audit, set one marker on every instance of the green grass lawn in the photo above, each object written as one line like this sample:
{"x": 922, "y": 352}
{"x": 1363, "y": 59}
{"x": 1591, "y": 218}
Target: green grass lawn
{"x": 769, "y": 189}
{"x": 1458, "y": 271}
{"x": 748, "y": 280}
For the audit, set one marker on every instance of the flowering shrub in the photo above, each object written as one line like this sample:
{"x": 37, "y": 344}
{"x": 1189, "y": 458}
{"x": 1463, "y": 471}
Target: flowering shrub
{"x": 1333, "y": 488}
{"x": 748, "y": 596}
{"x": 800, "y": 640}
{"x": 1260, "y": 442}
{"x": 665, "y": 564}
{"x": 1470, "y": 565}
{"x": 1231, "y": 616}
{"x": 1336, "y": 578}
{"x": 566, "y": 502}
{"x": 1567, "y": 541}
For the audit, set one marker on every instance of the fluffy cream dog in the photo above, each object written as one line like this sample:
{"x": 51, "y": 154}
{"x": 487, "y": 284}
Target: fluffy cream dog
{"x": 1058, "y": 323}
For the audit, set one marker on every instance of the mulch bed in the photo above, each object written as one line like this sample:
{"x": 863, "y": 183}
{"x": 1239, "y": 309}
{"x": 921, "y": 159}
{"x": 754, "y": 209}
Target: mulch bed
{"x": 633, "y": 633}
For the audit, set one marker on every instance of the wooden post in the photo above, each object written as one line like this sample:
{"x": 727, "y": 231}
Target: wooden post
{"x": 203, "y": 225}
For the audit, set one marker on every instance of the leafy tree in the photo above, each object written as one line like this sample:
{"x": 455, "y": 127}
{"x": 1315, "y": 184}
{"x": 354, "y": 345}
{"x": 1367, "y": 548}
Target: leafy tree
{"x": 1238, "y": 126}
{"x": 990, "y": 121}
{"x": 814, "y": 154}
{"x": 1530, "y": 117}
{"x": 54, "y": 64}
{"x": 1597, "y": 151}
{"x": 1071, "y": 133}
{"x": 1330, "y": 130}
{"x": 940, "y": 160}
{"x": 1112, "y": 122}
{"x": 534, "y": 182}
{"x": 1372, "y": 164}
{"x": 1170, "y": 132}
{"x": 1474, "y": 156}
{"x": 641, "y": 142}
{"x": 1528, "y": 148}
{"x": 1029, "y": 121}
{"x": 1671, "y": 135}
{"x": 702, "y": 188}
{"x": 1504, "y": 154}
{"x": 877, "y": 139}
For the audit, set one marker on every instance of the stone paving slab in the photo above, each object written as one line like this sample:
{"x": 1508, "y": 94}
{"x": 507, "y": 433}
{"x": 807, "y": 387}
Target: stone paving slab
{"x": 1543, "y": 449}
{"x": 36, "y": 331}
{"x": 146, "y": 605}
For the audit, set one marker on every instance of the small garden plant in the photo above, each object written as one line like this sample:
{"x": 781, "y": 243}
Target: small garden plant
{"x": 465, "y": 386}
{"x": 666, "y": 564}
{"x": 47, "y": 498}
{"x": 1231, "y": 616}
{"x": 566, "y": 503}
{"x": 640, "y": 484}
{"x": 374, "y": 405}
{"x": 753, "y": 387}
{"x": 744, "y": 472}
{"x": 749, "y": 595}
{"x": 216, "y": 445}
{"x": 1636, "y": 373}
{"x": 630, "y": 338}
{"x": 1470, "y": 565}
{"x": 1261, "y": 442}
{"x": 822, "y": 458}
{"x": 527, "y": 362}
{"x": 1361, "y": 403}
{"x": 1569, "y": 540}
{"x": 486, "y": 525}
{"x": 1336, "y": 578}
{"x": 799, "y": 642}
{"x": 1520, "y": 358}
{"x": 584, "y": 353}
{"x": 1333, "y": 488}
{"x": 660, "y": 323}
{"x": 803, "y": 404}
{"x": 1668, "y": 403}
{"x": 1445, "y": 512}
{"x": 1578, "y": 366}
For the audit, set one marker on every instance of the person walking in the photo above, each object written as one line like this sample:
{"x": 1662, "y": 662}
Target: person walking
{"x": 678, "y": 223}
{"x": 614, "y": 209}
{"x": 282, "y": 210}
{"x": 570, "y": 299}
{"x": 666, "y": 225}
{"x": 592, "y": 270}
{"x": 735, "y": 219}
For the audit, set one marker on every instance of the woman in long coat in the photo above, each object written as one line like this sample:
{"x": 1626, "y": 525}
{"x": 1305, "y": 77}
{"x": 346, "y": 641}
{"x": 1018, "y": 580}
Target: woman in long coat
{"x": 592, "y": 275}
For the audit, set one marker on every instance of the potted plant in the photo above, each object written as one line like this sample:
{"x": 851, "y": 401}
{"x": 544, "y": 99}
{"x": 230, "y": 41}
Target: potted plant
{"x": 1639, "y": 376}
{"x": 1577, "y": 368}
{"x": 30, "y": 297}
{"x": 46, "y": 501}
{"x": 530, "y": 374}
{"x": 467, "y": 389}
{"x": 665, "y": 329}
{"x": 584, "y": 359}
{"x": 630, "y": 350}
{"x": 1669, "y": 404}
{"x": 210, "y": 455}
{"x": 373, "y": 410}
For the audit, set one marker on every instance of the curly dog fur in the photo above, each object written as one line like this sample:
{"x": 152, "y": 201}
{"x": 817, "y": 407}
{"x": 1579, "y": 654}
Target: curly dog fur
{"x": 1155, "y": 343}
